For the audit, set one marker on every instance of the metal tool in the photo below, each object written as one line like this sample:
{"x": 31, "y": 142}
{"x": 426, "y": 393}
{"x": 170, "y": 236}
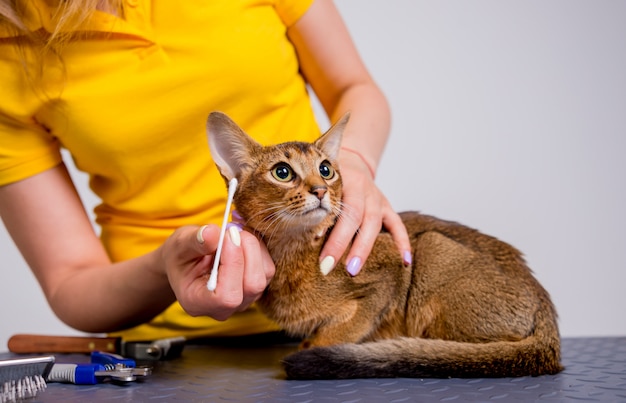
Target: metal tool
{"x": 157, "y": 350}
{"x": 103, "y": 367}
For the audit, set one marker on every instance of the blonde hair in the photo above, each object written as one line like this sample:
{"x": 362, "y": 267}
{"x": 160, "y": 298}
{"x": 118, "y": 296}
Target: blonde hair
{"x": 34, "y": 47}
{"x": 67, "y": 16}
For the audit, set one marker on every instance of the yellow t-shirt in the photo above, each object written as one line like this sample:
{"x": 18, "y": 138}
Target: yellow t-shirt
{"x": 130, "y": 103}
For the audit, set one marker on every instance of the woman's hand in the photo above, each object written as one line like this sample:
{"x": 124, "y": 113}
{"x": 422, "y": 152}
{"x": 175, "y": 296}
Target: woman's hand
{"x": 365, "y": 211}
{"x": 244, "y": 271}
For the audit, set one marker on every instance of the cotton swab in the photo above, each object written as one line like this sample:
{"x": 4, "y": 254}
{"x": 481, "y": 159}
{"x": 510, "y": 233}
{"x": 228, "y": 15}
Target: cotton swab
{"x": 212, "y": 283}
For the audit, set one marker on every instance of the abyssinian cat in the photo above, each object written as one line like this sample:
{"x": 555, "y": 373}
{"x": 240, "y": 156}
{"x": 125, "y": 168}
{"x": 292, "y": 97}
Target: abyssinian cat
{"x": 468, "y": 306}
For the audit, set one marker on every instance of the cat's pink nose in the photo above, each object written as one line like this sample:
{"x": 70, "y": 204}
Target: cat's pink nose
{"x": 319, "y": 191}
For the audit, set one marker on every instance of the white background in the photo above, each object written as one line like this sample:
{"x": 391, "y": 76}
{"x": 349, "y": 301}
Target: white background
{"x": 508, "y": 116}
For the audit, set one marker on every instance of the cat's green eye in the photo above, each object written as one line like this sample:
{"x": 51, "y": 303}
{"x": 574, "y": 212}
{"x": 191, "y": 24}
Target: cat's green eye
{"x": 326, "y": 170}
{"x": 282, "y": 172}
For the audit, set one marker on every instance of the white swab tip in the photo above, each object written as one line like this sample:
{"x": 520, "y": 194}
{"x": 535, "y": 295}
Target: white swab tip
{"x": 211, "y": 285}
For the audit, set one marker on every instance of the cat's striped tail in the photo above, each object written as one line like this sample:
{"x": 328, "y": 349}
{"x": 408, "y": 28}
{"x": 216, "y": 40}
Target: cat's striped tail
{"x": 538, "y": 354}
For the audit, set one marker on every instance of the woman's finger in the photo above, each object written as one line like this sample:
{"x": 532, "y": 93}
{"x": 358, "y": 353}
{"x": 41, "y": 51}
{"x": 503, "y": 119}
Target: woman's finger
{"x": 393, "y": 223}
{"x": 254, "y": 276}
{"x": 228, "y": 295}
{"x": 364, "y": 241}
{"x": 342, "y": 233}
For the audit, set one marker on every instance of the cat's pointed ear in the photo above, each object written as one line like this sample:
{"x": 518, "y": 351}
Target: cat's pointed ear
{"x": 230, "y": 146}
{"x": 330, "y": 142}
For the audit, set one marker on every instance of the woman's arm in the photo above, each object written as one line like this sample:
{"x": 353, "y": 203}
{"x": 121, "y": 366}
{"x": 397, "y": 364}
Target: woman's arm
{"x": 47, "y": 221}
{"x": 333, "y": 67}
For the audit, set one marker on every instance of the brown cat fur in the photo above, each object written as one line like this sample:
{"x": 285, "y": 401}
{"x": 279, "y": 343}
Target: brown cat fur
{"x": 467, "y": 307}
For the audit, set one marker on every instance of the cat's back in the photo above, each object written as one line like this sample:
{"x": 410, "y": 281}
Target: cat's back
{"x": 480, "y": 286}
{"x": 418, "y": 223}
{"x": 505, "y": 255}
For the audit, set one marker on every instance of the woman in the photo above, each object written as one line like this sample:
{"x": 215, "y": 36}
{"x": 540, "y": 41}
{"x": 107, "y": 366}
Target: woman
{"x": 126, "y": 88}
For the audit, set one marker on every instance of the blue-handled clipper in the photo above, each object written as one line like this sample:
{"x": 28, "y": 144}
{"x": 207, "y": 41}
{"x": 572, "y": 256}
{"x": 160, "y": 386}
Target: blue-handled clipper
{"x": 103, "y": 366}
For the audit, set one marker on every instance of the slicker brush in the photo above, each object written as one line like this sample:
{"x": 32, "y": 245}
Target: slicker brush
{"x": 23, "y": 378}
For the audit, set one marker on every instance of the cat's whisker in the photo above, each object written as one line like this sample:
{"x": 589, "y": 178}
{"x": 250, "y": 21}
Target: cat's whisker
{"x": 274, "y": 220}
{"x": 269, "y": 211}
{"x": 270, "y": 224}
{"x": 345, "y": 212}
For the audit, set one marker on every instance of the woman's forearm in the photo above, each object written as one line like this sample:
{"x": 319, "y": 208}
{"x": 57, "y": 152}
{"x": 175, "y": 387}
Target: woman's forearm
{"x": 368, "y": 130}
{"x": 332, "y": 66}
{"x": 112, "y": 297}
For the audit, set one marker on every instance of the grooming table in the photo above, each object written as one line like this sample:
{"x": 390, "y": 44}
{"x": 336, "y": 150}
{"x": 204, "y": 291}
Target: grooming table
{"x": 248, "y": 370}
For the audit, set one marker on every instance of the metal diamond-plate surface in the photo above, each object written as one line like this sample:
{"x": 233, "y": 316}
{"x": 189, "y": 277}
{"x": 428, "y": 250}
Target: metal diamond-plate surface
{"x": 249, "y": 371}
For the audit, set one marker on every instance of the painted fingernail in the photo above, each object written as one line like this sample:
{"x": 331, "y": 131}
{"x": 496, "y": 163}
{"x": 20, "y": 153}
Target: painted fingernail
{"x": 237, "y": 225}
{"x": 234, "y": 231}
{"x": 199, "y": 234}
{"x": 327, "y": 264}
{"x": 354, "y": 266}
{"x": 407, "y": 258}
{"x": 236, "y": 215}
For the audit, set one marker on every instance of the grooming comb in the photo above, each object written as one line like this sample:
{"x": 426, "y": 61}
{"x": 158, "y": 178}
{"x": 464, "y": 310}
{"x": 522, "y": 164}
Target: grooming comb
{"x": 23, "y": 378}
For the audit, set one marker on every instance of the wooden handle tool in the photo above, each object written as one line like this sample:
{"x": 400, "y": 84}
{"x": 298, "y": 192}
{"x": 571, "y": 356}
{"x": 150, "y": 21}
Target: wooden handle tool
{"x": 32, "y": 343}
